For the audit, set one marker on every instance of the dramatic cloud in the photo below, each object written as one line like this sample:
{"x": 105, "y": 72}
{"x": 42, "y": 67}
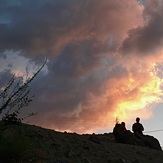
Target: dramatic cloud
{"x": 46, "y": 28}
{"x": 92, "y": 76}
{"x": 147, "y": 40}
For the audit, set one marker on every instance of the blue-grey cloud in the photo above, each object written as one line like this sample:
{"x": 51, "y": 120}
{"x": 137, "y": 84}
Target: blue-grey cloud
{"x": 5, "y": 76}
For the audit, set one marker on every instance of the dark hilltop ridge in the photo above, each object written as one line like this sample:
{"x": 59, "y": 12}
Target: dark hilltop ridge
{"x": 23, "y": 143}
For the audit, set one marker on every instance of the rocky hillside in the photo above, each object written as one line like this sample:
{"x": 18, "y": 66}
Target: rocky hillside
{"x": 24, "y": 143}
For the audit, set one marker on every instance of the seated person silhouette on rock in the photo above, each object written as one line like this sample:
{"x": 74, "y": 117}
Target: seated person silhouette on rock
{"x": 121, "y": 133}
{"x": 137, "y": 127}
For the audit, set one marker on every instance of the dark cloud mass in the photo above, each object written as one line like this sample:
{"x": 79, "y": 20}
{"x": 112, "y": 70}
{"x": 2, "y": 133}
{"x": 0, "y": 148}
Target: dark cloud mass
{"x": 86, "y": 75}
{"x": 148, "y": 39}
{"x": 45, "y": 28}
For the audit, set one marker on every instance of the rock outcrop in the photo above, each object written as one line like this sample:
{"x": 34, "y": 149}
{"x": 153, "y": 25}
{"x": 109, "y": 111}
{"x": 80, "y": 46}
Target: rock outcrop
{"x": 128, "y": 137}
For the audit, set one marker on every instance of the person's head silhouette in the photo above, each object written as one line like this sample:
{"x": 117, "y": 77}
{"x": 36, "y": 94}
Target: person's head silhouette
{"x": 123, "y": 123}
{"x": 137, "y": 119}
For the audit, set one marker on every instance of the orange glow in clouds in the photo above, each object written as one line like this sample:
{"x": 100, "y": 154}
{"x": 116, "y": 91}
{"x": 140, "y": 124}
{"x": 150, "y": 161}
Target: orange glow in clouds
{"x": 147, "y": 93}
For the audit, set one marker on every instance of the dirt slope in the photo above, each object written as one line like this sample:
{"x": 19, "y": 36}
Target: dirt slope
{"x": 26, "y": 143}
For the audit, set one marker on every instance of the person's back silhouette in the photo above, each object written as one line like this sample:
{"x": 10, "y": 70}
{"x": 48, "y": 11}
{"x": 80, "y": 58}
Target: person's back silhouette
{"x": 137, "y": 127}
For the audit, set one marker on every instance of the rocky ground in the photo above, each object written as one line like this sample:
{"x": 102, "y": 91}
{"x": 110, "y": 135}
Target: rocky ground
{"x": 26, "y": 143}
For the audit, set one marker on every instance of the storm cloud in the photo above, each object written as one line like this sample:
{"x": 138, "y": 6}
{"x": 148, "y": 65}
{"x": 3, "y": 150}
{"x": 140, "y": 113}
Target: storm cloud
{"x": 148, "y": 39}
{"x": 46, "y": 28}
{"x": 86, "y": 43}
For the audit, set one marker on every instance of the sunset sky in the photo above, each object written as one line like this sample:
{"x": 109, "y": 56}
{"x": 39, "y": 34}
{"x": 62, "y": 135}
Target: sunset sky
{"x": 104, "y": 61}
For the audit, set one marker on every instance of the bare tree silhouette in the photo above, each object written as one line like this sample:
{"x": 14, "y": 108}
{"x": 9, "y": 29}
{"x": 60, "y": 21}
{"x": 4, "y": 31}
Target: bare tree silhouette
{"x": 15, "y": 95}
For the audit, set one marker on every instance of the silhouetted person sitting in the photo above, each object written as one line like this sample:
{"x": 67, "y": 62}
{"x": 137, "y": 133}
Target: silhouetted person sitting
{"x": 120, "y": 133}
{"x": 119, "y": 129}
{"x": 123, "y": 127}
{"x": 137, "y": 127}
